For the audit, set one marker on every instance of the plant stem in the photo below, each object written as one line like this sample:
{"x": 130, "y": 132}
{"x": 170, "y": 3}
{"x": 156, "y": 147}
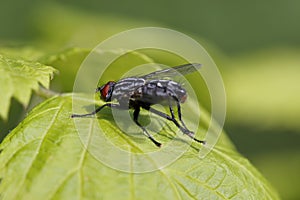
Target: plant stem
{"x": 46, "y": 93}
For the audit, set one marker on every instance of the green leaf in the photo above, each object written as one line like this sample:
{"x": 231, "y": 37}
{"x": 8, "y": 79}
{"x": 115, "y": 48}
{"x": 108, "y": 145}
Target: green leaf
{"x": 44, "y": 158}
{"x": 18, "y": 78}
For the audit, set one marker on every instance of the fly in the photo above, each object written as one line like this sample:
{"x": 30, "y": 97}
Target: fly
{"x": 144, "y": 91}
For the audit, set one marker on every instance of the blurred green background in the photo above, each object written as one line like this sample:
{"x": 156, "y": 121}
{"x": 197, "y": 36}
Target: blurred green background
{"x": 256, "y": 45}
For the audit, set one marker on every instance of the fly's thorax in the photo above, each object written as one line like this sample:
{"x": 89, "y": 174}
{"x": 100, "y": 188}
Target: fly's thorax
{"x": 124, "y": 88}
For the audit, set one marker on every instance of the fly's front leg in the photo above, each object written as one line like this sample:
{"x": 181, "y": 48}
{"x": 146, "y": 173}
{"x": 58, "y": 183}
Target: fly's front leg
{"x": 96, "y": 111}
{"x": 135, "y": 118}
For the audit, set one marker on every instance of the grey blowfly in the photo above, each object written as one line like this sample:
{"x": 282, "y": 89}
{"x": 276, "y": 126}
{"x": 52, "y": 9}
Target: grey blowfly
{"x": 144, "y": 91}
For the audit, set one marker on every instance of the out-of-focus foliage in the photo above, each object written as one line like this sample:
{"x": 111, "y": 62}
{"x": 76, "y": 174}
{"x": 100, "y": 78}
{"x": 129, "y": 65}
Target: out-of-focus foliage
{"x": 267, "y": 84}
{"x": 18, "y": 79}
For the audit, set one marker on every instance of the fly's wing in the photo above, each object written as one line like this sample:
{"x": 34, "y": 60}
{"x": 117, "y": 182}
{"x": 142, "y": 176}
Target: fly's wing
{"x": 173, "y": 71}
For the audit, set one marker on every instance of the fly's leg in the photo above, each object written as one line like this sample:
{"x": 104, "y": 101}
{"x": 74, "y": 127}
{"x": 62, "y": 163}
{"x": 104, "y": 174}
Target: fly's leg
{"x": 163, "y": 115}
{"x": 95, "y": 111}
{"x": 179, "y": 112}
{"x": 135, "y": 118}
{"x": 185, "y": 130}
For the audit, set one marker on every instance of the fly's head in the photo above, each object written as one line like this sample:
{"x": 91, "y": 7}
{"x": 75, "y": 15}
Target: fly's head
{"x": 106, "y": 90}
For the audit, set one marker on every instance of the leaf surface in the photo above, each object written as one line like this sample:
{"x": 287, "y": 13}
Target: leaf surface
{"x": 44, "y": 158}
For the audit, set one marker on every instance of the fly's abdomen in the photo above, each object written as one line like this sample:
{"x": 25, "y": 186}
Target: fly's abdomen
{"x": 160, "y": 92}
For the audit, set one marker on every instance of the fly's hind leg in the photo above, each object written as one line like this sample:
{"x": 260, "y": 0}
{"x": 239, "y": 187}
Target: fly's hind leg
{"x": 164, "y": 115}
{"x": 178, "y": 111}
{"x": 172, "y": 118}
{"x": 135, "y": 118}
{"x": 183, "y": 128}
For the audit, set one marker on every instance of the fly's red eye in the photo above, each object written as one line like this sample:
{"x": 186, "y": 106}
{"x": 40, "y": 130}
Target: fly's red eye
{"x": 105, "y": 90}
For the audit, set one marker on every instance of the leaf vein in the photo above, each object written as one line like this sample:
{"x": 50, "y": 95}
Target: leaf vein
{"x": 39, "y": 146}
{"x": 244, "y": 169}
